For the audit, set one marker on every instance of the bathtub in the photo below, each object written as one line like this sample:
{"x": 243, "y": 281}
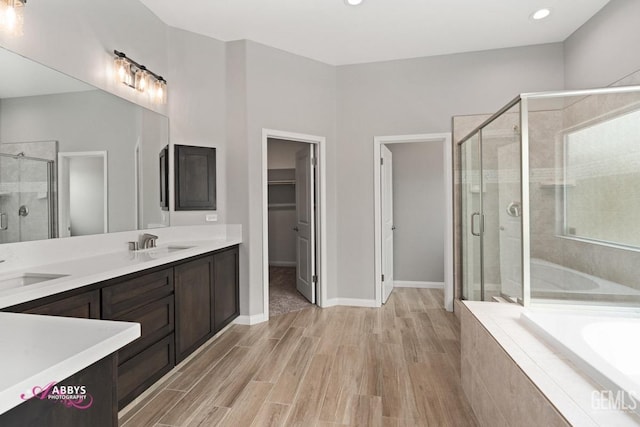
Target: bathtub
{"x": 606, "y": 346}
{"x": 549, "y": 280}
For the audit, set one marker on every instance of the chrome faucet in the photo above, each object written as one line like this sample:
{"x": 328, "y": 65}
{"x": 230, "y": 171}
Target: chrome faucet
{"x": 149, "y": 241}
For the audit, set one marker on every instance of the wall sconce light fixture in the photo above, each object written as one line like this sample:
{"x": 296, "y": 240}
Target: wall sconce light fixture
{"x": 12, "y": 16}
{"x": 138, "y": 77}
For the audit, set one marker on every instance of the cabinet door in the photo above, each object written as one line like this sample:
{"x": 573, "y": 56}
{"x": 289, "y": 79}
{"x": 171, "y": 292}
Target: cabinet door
{"x": 226, "y": 287}
{"x": 85, "y": 306}
{"x": 194, "y": 304}
{"x": 195, "y": 178}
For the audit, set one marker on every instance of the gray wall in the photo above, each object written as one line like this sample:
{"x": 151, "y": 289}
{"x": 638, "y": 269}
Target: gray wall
{"x": 605, "y": 49}
{"x": 281, "y": 154}
{"x": 273, "y": 89}
{"x": 197, "y": 109}
{"x": 418, "y": 212}
{"x": 409, "y": 97}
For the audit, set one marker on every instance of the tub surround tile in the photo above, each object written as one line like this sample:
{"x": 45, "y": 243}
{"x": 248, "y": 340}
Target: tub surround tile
{"x": 535, "y": 381}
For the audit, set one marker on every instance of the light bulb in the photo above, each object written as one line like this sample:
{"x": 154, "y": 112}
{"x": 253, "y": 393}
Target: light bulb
{"x": 142, "y": 80}
{"x": 541, "y": 14}
{"x": 123, "y": 70}
{"x": 12, "y": 17}
{"x": 353, "y": 2}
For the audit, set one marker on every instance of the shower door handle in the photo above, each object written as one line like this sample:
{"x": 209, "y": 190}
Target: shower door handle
{"x": 4, "y": 221}
{"x": 473, "y": 224}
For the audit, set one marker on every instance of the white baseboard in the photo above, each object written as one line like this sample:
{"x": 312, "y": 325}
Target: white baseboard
{"x": 352, "y": 302}
{"x": 282, "y": 264}
{"x": 419, "y": 285}
{"x": 250, "y": 320}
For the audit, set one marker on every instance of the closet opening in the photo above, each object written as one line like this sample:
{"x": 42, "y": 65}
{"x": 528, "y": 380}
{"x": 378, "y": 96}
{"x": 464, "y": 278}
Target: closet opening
{"x": 292, "y": 227}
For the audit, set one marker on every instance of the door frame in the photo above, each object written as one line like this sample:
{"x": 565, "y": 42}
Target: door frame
{"x": 321, "y": 207}
{"x": 63, "y": 184}
{"x": 445, "y": 140}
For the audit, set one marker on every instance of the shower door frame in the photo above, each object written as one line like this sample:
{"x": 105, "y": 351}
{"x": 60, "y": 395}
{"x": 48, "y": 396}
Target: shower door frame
{"x": 524, "y": 171}
{"x": 50, "y": 189}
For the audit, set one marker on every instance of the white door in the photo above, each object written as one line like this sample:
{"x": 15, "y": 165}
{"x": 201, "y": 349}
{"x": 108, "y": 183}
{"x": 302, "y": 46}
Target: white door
{"x": 82, "y": 193}
{"x": 386, "y": 174}
{"x": 305, "y": 224}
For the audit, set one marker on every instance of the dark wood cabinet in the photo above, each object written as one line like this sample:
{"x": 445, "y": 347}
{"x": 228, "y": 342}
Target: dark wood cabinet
{"x": 145, "y": 368}
{"x": 195, "y": 178}
{"x": 98, "y": 380}
{"x": 163, "y": 158}
{"x": 194, "y": 305}
{"x": 225, "y": 277}
{"x": 148, "y": 299}
{"x": 135, "y": 291}
{"x": 84, "y": 306}
{"x": 179, "y": 307}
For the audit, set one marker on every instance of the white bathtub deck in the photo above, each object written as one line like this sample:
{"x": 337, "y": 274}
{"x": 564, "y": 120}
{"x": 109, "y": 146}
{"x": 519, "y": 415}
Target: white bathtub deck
{"x": 574, "y": 394}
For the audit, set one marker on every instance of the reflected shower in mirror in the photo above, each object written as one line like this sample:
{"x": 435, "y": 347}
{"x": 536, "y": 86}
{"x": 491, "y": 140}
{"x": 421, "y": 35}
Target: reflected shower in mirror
{"x": 74, "y": 160}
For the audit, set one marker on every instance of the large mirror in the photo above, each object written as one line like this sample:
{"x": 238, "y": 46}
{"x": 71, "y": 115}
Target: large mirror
{"x": 74, "y": 160}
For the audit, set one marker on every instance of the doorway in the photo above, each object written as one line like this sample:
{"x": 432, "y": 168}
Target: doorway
{"x": 82, "y": 193}
{"x": 293, "y": 215}
{"x": 413, "y": 206}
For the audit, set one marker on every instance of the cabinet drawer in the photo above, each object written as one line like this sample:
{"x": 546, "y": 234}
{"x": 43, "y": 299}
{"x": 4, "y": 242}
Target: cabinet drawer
{"x": 156, "y": 321}
{"x": 142, "y": 370}
{"x": 84, "y": 306}
{"x": 135, "y": 292}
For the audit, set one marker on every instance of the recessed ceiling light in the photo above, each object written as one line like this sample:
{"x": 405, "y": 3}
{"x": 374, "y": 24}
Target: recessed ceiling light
{"x": 541, "y": 14}
{"x": 353, "y": 2}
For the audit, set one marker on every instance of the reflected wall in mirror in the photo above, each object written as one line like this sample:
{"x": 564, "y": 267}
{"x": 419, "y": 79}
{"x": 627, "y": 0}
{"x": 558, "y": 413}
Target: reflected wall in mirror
{"x": 51, "y": 128}
{"x": 602, "y": 181}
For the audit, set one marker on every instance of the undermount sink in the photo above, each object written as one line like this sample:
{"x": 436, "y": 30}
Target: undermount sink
{"x": 26, "y": 279}
{"x": 165, "y": 250}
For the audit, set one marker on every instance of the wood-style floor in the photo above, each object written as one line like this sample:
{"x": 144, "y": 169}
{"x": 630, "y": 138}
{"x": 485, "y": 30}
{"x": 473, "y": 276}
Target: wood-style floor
{"x": 394, "y": 366}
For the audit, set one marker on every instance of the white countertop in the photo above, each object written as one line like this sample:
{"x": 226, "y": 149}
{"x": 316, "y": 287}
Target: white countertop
{"x": 85, "y": 271}
{"x": 37, "y": 350}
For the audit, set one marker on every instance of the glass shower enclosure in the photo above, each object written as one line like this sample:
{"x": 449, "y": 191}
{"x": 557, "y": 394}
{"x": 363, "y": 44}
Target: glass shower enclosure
{"x": 26, "y": 198}
{"x": 549, "y": 200}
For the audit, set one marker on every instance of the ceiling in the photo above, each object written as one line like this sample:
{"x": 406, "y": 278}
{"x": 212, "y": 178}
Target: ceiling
{"x": 378, "y": 30}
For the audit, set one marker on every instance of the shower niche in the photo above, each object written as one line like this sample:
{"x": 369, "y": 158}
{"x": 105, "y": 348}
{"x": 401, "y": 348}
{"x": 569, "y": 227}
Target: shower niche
{"x": 548, "y": 194}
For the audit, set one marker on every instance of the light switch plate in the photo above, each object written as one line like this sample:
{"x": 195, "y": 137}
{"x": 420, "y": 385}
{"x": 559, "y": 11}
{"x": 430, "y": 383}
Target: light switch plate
{"x": 211, "y": 217}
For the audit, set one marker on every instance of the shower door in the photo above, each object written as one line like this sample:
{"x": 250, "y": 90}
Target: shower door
{"x": 25, "y": 199}
{"x": 471, "y": 185}
{"x": 491, "y": 211}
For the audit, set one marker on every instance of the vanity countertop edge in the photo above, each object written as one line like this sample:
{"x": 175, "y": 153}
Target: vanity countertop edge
{"x": 81, "y": 272}
{"x": 30, "y": 359}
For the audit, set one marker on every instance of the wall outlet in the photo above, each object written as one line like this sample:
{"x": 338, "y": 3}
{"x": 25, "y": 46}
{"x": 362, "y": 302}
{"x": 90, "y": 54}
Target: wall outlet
{"x": 211, "y": 217}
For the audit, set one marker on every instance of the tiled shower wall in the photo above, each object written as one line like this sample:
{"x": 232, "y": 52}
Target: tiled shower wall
{"x": 611, "y": 263}
{"x": 23, "y": 182}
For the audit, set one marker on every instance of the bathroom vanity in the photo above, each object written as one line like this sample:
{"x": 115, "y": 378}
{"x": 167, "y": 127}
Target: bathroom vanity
{"x": 181, "y": 294}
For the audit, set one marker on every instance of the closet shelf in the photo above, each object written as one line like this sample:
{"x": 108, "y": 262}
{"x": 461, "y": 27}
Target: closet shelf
{"x": 281, "y": 205}
{"x": 282, "y": 182}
